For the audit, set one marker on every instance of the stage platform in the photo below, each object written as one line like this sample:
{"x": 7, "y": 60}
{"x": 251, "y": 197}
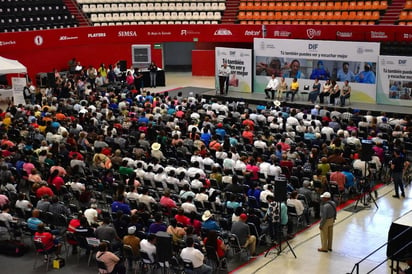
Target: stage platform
{"x": 301, "y": 102}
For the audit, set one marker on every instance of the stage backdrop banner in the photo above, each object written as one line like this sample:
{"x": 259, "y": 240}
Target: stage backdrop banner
{"x": 240, "y": 63}
{"x": 18, "y": 84}
{"x": 310, "y": 59}
{"x": 395, "y": 81}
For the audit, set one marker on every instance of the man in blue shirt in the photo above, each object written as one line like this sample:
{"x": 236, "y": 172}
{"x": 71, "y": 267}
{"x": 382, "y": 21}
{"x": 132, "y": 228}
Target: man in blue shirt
{"x": 120, "y": 205}
{"x": 208, "y": 222}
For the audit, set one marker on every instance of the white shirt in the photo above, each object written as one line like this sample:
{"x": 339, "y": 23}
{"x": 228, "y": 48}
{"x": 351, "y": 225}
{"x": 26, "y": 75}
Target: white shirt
{"x": 201, "y": 197}
{"x": 224, "y": 71}
{"x": 297, "y": 204}
{"x": 149, "y": 248}
{"x": 189, "y": 207}
{"x": 264, "y": 194}
{"x": 273, "y": 84}
{"x": 192, "y": 254}
{"x": 91, "y": 215}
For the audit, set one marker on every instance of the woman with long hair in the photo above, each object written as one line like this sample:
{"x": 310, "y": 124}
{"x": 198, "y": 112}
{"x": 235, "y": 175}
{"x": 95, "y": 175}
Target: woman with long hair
{"x": 218, "y": 245}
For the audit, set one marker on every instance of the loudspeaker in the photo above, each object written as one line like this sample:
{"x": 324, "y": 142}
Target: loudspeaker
{"x": 164, "y": 248}
{"x": 280, "y": 190}
{"x": 367, "y": 152}
{"x": 123, "y": 65}
{"x": 51, "y": 80}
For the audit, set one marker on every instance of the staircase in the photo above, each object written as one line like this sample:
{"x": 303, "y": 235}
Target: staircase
{"x": 73, "y": 8}
{"x": 230, "y": 13}
{"x": 392, "y": 13}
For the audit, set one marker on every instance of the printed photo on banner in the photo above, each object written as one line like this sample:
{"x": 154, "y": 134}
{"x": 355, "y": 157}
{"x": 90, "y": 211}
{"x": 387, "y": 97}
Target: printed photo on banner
{"x": 358, "y": 72}
{"x": 400, "y": 90}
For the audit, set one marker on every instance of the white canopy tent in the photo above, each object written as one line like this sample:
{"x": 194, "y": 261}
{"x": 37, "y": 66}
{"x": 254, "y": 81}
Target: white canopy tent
{"x": 11, "y": 66}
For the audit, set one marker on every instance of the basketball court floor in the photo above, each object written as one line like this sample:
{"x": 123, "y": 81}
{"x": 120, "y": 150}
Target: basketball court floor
{"x": 356, "y": 235}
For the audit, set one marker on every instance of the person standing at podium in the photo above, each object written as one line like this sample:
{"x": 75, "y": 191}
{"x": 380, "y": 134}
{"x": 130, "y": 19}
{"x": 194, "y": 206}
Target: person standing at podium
{"x": 223, "y": 74}
{"x": 153, "y": 73}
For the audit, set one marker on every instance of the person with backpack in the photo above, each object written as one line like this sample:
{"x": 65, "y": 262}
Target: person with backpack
{"x": 328, "y": 217}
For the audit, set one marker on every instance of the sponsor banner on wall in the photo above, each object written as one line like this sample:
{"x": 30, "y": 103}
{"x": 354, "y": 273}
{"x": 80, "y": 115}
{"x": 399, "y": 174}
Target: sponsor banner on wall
{"x": 240, "y": 63}
{"x": 133, "y": 34}
{"x": 394, "y": 85}
{"x": 310, "y": 59}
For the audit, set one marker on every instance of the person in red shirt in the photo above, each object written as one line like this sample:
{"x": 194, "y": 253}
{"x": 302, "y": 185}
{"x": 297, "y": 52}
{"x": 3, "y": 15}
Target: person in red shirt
{"x": 71, "y": 229}
{"x": 253, "y": 169}
{"x": 181, "y": 218}
{"x": 217, "y": 244}
{"x": 248, "y": 122}
{"x": 56, "y": 180}
{"x": 248, "y": 134}
{"x": 44, "y": 190}
{"x": 48, "y": 240}
{"x": 166, "y": 200}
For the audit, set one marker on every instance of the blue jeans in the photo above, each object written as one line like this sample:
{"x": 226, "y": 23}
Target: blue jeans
{"x": 398, "y": 181}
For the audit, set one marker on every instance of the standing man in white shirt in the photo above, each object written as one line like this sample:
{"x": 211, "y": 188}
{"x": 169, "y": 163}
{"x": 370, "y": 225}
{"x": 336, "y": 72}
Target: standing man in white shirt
{"x": 272, "y": 86}
{"x": 195, "y": 256}
{"x": 223, "y": 74}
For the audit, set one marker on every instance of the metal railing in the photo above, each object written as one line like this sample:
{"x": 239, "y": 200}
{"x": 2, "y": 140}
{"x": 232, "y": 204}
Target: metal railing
{"x": 355, "y": 268}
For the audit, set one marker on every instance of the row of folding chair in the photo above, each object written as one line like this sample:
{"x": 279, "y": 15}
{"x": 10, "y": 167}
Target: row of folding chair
{"x": 154, "y": 16}
{"x": 321, "y": 15}
{"x": 208, "y": 6}
{"x": 304, "y": 22}
{"x": 313, "y": 5}
{"x": 177, "y": 22}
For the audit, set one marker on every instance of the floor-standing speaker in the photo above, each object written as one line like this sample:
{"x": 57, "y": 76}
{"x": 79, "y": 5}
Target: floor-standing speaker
{"x": 280, "y": 190}
{"x": 164, "y": 248}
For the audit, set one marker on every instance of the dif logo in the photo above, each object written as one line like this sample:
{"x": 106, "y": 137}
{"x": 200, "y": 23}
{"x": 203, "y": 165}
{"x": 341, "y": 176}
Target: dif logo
{"x": 402, "y": 62}
{"x": 313, "y": 47}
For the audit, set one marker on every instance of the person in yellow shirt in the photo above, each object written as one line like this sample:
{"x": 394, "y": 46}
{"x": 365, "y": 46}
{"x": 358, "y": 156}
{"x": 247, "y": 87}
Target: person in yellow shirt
{"x": 7, "y": 120}
{"x": 294, "y": 88}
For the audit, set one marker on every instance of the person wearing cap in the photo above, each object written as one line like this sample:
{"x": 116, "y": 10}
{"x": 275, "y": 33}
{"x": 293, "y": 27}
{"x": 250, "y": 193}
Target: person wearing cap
{"x": 242, "y": 231}
{"x": 208, "y": 221}
{"x": 367, "y": 75}
{"x": 133, "y": 241}
{"x": 327, "y": 218}
{"x": 156, "y": 152}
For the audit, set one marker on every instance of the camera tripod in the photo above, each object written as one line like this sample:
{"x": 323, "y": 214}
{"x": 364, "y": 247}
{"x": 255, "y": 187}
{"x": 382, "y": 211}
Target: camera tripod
{"x": 365, "y": 192}
{"x": 279, "y": 237}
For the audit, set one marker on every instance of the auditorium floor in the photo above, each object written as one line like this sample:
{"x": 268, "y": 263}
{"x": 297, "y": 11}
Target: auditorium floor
{"x": 355, "y": 234}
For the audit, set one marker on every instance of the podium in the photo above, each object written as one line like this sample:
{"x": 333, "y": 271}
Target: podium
{"x": 399, "y": 236}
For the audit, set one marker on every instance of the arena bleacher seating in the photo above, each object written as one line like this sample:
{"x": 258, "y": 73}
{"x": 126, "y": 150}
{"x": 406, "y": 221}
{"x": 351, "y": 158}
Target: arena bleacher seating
{"x": 405, "y": 17}
{"x": 34, "y": 15}
{"x": 311, "y": 12}
{"x": 158, "y": 12}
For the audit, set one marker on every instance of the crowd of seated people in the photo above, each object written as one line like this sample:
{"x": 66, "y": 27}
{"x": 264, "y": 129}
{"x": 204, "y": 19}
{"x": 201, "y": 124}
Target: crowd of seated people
{"x": 183, "y": 165}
